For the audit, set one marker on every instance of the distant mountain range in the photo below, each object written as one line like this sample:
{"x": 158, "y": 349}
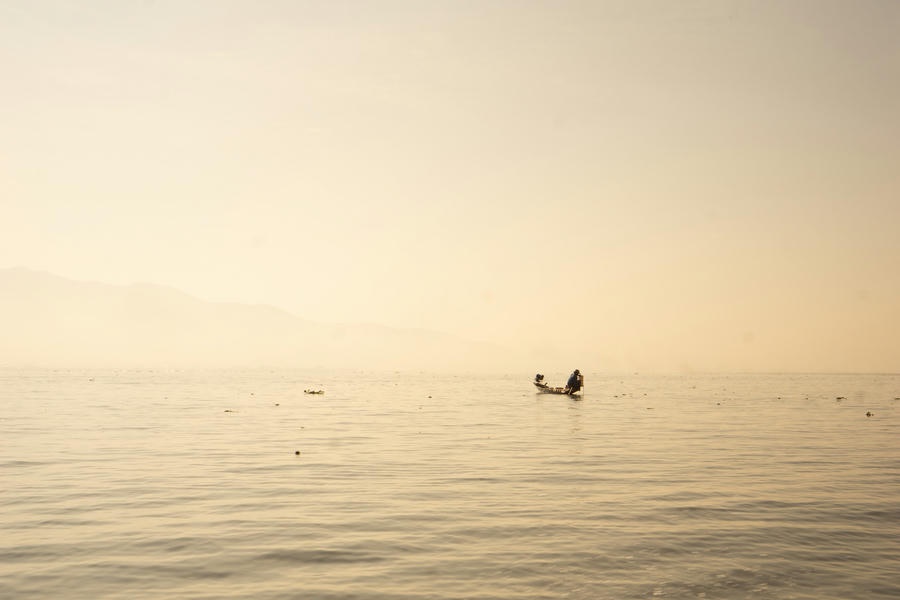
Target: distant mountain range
{"x": 46, "y": 320}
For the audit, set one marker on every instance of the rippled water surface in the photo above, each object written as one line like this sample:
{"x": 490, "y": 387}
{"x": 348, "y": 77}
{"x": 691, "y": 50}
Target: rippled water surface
{"x": 140, "y": 484}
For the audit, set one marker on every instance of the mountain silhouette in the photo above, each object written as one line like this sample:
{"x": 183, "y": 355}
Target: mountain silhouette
{"x": 52, "y": 321}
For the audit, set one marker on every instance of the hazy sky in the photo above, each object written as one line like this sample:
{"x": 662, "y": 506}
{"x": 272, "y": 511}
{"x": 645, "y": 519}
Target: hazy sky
{"x": 638, "y": 185}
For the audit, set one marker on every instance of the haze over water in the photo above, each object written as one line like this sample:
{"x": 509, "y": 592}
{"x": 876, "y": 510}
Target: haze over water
{"x": 637, "y": 185}
{"x": 207, "y": 207}
{"x": 140, "y": 484}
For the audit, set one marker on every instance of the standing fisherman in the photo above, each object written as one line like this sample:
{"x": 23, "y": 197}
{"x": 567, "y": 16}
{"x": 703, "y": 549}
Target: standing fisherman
{"x": 575, "y": 382}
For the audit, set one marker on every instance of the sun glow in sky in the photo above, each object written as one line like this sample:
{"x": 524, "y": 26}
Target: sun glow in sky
{"x": 632, "y": 185}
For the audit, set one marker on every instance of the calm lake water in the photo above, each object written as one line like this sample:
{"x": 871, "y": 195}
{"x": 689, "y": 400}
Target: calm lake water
{"x": 139, "y": 484}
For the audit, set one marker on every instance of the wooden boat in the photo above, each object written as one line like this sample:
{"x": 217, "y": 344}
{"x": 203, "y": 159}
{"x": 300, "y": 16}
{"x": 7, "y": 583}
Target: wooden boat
{"x": 543, "y": 388}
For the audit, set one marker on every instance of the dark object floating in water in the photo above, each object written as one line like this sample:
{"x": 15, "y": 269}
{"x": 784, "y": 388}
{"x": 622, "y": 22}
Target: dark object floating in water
{"x": 228, "y": 410}
{"x": 869, "y": 414}
{"x": 296, "y": 452}
{"x": 841, "y": 398}
{"x": 313, "y": 391}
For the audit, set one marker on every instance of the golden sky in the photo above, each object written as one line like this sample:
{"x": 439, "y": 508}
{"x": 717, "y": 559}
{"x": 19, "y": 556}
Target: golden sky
{"x": 629, "y": 185}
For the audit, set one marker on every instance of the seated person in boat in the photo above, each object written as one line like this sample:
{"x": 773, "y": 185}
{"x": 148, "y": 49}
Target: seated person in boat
{"x": 574, "y": 382}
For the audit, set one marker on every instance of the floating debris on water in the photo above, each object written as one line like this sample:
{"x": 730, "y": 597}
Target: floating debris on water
{"x": 313, "y": 391}
{"x": 869, "y": 414}
{"x": 296, "y": 452}
{"x": 841, "y": 398}
{"x": 229, "y": 410}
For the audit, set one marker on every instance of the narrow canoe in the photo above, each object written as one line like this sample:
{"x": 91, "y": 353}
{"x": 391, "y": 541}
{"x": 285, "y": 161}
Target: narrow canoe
{"x": 543, "y": 388}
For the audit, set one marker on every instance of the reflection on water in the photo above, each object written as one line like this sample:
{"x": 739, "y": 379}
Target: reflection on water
{"x": 139, "y": 484}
